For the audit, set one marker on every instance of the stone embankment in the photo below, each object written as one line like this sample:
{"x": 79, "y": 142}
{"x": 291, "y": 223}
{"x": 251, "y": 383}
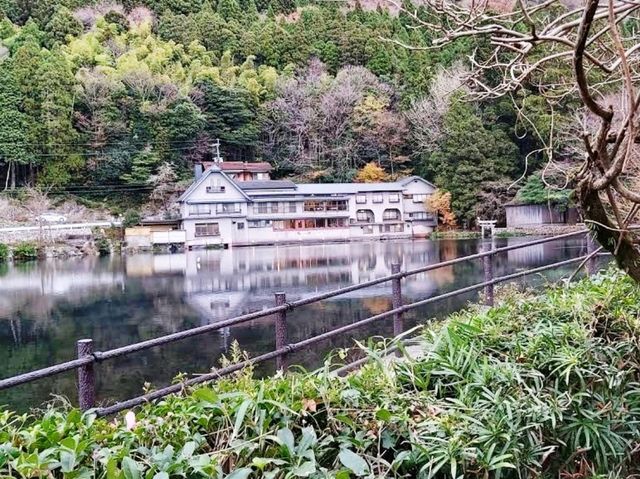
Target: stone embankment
{"x": 60, "y": 242}
{"x": 540, "y": 230}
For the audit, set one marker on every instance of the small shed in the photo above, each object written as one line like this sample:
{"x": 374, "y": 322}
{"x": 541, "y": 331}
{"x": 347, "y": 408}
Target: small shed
{"x": 152, "y": 232}
{"x": 523, "y": 215}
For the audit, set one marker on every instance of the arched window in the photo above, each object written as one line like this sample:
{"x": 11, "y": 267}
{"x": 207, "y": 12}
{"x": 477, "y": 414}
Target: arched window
{"x": 391, "y": 214}
{"x": 364, "y": 216}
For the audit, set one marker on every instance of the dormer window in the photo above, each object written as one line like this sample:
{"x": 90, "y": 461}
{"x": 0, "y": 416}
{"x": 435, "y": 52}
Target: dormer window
{"x": 215, "y": 186}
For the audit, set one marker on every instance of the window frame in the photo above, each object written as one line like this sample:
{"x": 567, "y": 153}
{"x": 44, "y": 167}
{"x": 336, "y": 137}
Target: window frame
{"x": 208, "y": 234}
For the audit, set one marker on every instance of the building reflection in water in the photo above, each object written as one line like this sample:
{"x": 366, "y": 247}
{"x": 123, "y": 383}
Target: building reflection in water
{"x": 47, "y": 306}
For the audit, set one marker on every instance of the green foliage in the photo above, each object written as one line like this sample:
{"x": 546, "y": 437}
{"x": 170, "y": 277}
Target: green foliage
{"x": 539, "y": 386}
{"x": 468, "y": 155}
{"x": 4, "y": 252}
{"x": 99, "y": 93}
{"x": 131, "y": 218}
{"x": 25, "y": 251}
{"x": 536, "y": 192}
{"x": 62, "y": 25}
{"x": 103, "y": 245}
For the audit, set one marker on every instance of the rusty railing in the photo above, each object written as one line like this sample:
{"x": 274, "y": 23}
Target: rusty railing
{"x": 87, "y": 357}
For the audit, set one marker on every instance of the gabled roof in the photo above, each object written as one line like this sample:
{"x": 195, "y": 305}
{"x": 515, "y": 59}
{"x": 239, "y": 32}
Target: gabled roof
{"x": 409, "y": 179}
{"x": 207, "y": 173}
{"x": 267, "y": 185}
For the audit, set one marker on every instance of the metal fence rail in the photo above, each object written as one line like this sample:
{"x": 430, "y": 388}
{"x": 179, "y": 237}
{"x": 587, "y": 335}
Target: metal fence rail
{"x": 87, "y": 357}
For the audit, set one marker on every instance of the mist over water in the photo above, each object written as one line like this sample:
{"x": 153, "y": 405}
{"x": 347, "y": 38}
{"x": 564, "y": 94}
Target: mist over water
{"x": 46, "y": 306}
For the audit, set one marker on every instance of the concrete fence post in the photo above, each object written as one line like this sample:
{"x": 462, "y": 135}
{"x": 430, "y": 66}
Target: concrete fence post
{"x": 396, "y": 300}
{"x": 487, "y": 264}
{"x": 86, "y": 376}
{"x": 281, "y": 330}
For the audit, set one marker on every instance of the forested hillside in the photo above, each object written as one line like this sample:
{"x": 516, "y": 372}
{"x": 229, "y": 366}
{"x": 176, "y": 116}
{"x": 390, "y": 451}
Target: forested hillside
{"x": 96, "y": 97}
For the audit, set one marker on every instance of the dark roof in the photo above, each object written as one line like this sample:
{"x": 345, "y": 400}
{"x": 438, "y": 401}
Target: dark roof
{"x": 266, "y": 185}
{"x": 151, "y": 222}
{"x": 253, "y": 167}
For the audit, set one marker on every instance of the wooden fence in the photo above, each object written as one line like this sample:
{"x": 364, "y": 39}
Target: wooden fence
{"x": 87, "y": 358}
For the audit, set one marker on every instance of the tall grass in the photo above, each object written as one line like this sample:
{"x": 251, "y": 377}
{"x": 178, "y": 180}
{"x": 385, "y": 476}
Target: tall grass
{"x": 539, "y": 386}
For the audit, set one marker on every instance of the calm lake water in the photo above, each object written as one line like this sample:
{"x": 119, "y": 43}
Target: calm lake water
{"x": 46, "y": 306}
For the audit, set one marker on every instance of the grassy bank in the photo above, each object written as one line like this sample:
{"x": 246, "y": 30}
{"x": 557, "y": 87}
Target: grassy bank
{"x": 538, "y": 386}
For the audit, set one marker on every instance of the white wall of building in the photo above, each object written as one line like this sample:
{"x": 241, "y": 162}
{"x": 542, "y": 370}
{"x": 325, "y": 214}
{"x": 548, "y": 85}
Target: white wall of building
{"x": 231, "y": 214}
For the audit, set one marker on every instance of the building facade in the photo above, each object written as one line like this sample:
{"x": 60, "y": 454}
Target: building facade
{"x": 220, "y": 210}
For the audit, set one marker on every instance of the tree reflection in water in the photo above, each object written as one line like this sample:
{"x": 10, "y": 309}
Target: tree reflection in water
{"x": 47, "y": 306}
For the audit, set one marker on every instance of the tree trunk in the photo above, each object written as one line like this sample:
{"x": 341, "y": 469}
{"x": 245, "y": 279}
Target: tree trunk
{"x": 625, "y": 251}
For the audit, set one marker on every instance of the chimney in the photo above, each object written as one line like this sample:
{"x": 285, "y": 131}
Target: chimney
{"x": 197, "y": 170}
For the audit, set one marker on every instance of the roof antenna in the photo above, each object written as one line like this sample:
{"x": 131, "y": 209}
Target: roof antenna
{"x": 216, "y": 146}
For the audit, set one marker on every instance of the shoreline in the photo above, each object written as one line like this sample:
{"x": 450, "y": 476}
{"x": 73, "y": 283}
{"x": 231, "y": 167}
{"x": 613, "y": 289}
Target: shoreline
{"x": 71, "y": 243}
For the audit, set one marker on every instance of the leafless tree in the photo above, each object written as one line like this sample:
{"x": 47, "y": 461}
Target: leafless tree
{"x": 315, "y": 123}
{"x": 586, "y": 53}
{"x": 426, "y": 114}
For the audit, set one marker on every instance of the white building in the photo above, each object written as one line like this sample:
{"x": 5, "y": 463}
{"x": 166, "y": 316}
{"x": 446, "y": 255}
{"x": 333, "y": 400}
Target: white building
{"x": 218, "y": 210}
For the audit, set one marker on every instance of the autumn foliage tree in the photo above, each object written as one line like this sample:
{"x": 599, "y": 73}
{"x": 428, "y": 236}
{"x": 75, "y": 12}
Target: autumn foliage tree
{"x": 439, "y": 203}
{"x": 371, "y": 173}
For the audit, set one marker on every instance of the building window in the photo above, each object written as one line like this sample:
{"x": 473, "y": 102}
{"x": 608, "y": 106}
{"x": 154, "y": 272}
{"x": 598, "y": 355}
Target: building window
{"x": 310, "y": 223}
{"x": 227, "y": 208}
{"x": 258, "y": 223}
{"x": 364, "y": 216}
{"x": 395, "y": 228}
{"x": 421, "y": 215}
{"x": 293, "y": 207}
{"x": 361, "y": 199}
{"x": 377, "y": 198}
{"x": 394, "y": 198}
{"x": 215, "y": 186}
{"x": 198, "y": 210}
{"x": 391, "y": 215}
{"x": 419, "y": 198}
{"x": 261, "y": 208}
{"x": 336, "y": 206}
{"x": 367, "y": 230}
{"x": 207, "y": 229}
{"x": 314, "y": 205}
{"x": 240, "y": 226}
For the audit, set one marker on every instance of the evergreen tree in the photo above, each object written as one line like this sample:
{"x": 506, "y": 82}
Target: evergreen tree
{"x": 229, "y": 9}
{"x": 14, "y": 140}
{"x": 468, "y": 155}
{"x": 61, "y": 25}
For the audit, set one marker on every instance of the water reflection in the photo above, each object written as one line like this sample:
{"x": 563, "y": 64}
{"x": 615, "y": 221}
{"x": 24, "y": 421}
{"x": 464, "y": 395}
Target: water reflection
{"x": 47, "y": 306}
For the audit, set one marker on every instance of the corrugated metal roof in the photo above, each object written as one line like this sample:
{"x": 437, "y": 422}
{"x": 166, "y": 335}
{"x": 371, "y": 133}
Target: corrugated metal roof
{"x": 266, "y": 185}
{"x": 346, "y": 188}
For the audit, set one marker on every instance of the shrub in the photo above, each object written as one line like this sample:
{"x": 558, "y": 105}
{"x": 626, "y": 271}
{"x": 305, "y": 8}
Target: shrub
{"x": 25, "y": 251}
{"x": 103, "y": 245}
{"x": 131, "y": 218}
{"x": 535, "y": 387}
{"x": 4, "y": 252}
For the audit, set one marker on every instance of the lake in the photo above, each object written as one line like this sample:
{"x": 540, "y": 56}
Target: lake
{"x": 46, "y": 306}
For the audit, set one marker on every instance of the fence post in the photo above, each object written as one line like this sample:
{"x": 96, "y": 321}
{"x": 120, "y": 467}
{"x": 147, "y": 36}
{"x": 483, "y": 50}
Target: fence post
{"x": 281, "y": 330}
{"x": 592, "y": 263}
{"x": 396, "y": 300}
{"x": 487, "y": 264}
{"x": 86, "y": 377}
